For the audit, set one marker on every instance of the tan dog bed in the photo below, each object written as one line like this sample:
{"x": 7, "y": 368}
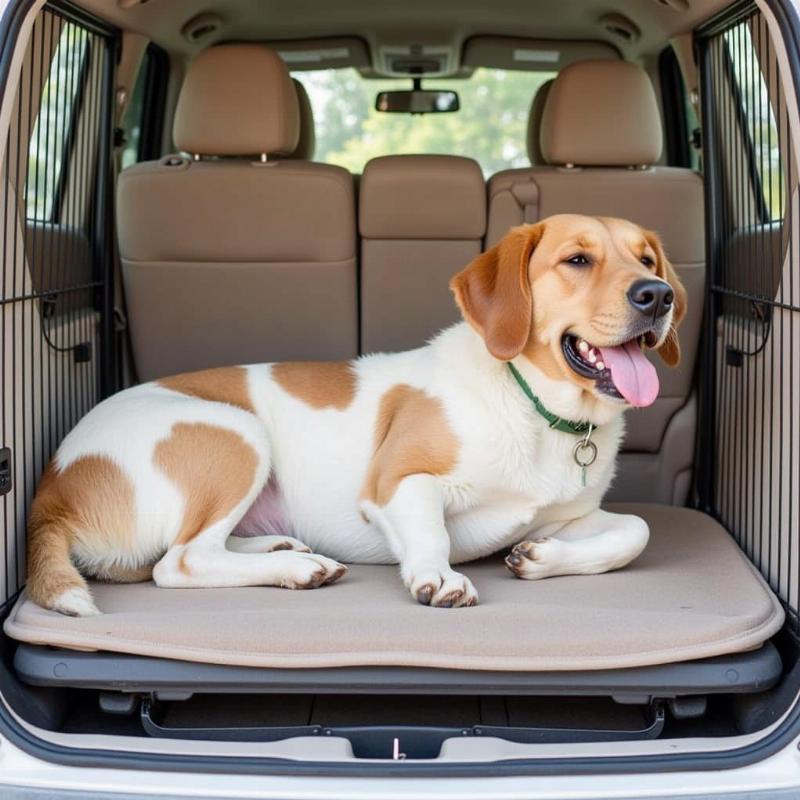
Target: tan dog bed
{"x": 691, "y": 595}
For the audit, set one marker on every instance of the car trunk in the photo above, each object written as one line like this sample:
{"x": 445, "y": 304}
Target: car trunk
{"x": 691, "y": 652}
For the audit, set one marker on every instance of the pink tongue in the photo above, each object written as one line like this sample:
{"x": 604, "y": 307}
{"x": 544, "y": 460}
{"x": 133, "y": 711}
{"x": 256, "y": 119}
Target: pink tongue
{"x": 633, "y": 375}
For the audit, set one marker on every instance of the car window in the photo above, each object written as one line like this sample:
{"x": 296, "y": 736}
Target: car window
{"x": 763, "y": 137}
{"x": 491, "y": 125}
{"x": 132, "y": 119}
{"x": 50, "y": 138}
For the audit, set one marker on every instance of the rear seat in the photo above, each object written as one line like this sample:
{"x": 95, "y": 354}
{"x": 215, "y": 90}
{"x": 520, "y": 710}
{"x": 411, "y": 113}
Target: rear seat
{"x": 535, "y": 123}
{"x": 307, "y": 137}
{"x": 192, "y": 230}
{"x": 228, "y": 258}
{"x": 421, "y": 218}
{"x": 601, "y": 134}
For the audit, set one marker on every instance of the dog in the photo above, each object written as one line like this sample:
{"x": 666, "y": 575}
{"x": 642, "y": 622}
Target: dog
{"x": 502, "y": 432}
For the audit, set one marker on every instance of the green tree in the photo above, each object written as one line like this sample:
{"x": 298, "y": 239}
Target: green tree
{"x": 490, "y": 126}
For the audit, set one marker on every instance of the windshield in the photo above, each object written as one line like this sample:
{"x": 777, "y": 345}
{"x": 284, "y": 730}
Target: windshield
{"x": 491, "y": 126}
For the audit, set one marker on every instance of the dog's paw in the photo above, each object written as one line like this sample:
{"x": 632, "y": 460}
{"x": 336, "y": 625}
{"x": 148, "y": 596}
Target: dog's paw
{"x": 442, "y": 589}
{"x": 286, "y": 543}
{"x": 535, "y": 560}
{"x": 265, "y": 544}
{"x": 75, "y": 602}
{"x": 309, "y": 570}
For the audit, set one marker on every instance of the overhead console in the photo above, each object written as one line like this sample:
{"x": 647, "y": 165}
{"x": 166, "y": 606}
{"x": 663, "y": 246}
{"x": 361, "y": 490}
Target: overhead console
{"x": 417, "y": 60}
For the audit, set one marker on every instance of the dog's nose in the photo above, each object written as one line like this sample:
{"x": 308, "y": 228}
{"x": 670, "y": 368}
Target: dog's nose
{"x": 652, "y": 298}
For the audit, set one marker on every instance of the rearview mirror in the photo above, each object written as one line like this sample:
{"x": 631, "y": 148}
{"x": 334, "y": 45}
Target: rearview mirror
{"x": 417, "y": 101}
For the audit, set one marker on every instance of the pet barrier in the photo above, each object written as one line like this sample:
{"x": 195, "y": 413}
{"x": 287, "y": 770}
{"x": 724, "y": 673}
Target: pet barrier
{"x": 56, "y": 325}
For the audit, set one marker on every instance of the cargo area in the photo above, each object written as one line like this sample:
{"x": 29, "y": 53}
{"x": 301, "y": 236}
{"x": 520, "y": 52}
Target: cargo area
{"x": 141, "y": 242}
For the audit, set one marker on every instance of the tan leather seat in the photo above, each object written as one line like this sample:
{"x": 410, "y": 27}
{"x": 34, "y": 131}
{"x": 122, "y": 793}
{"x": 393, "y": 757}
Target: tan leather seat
{"x": 230, "y": 256}
{"x": 601, "y": 136}
{"x": 535, "y": 123}
{"x": 421, "y": 218}
{"x": 307, "y": 137}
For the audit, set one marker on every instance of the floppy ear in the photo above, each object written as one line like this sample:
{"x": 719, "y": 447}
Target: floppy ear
{"x": 670, "y": 351}
{"x": 494, "y": 292}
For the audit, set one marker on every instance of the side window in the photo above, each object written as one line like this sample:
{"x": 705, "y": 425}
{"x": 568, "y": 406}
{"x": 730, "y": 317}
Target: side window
{"x": 681, "y": 126}
{"x": 132, "y": 119}
{"x": 59, "y": 109}
{"x": 143, "y": 120}
{"x": 54, "y": 129}
{"x": 750, "y": 69}
{"x": 693, "y": 129}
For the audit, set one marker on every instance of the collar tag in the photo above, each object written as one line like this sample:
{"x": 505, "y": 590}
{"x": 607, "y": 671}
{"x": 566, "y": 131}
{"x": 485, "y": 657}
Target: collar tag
{"x": 585, "y": 453}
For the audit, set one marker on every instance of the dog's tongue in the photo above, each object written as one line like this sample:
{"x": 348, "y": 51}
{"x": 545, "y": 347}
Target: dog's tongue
{"x": 633, "y": 375}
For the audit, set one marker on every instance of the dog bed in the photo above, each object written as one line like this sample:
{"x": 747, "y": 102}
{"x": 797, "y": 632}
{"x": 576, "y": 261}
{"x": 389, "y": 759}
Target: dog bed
{"x": 691, "y": 595}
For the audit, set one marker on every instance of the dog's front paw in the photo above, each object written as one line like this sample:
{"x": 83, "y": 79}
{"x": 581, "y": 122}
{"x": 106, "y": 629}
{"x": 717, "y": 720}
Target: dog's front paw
{"x": 534, "y": 560}
{"x": 309, "y": 570}
{"x": 440, "y": 589}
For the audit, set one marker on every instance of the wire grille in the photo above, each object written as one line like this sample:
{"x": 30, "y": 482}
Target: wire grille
{"x": 750, "y": 454}
{"x": 54, "y": 283}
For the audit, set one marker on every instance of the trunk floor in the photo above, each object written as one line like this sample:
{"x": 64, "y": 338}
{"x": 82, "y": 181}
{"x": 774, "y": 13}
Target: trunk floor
{"x": 693, "y": 594}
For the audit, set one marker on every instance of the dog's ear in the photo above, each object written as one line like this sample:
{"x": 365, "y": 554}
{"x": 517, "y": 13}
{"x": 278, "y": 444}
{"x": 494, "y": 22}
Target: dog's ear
{"x": 670, "y": 351}
{"x": 494, "y": 292}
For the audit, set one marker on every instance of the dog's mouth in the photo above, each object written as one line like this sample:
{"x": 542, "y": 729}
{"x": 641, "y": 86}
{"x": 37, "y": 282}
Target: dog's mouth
{"x": 621, "y": 371}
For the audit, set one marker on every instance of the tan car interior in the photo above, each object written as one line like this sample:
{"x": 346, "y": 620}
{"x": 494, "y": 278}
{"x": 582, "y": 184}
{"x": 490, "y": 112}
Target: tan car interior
{"x": 288, "y": 294}
{"x": 420, "y": 219}
{"x": 235, "y": 246}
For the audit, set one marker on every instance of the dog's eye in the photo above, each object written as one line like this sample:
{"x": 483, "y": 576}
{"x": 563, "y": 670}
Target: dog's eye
{"x": 578, "y": 260}
{"x": 647, "y": 261}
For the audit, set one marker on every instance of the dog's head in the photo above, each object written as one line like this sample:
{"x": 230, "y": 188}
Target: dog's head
{"x": 582, "y": 298}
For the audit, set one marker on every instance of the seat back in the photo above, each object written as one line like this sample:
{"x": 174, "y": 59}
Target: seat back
{"x": 307, "y": 138}
{"x": 231, "y": 256}
{"x": 535, "y": 123}
{"x": 601, "y": 136}
{"x": 421, "y": 219}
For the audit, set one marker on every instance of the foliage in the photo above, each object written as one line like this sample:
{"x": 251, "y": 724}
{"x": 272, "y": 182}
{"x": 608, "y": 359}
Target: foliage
{"x": 49, "y": 134}
{"x": 765, "y": 140}
{"x": 490, "y": 127}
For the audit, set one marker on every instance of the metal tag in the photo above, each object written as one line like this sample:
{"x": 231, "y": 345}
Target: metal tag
{"x": 585, "y": 453}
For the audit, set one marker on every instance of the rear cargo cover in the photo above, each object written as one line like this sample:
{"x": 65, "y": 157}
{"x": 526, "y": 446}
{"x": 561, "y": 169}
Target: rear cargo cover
{"x": 692, "y": 594}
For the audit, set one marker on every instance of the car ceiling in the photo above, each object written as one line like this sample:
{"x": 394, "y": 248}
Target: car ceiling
{"x": 407, "y": 22}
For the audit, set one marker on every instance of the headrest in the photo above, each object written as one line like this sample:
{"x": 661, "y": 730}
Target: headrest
{"x": 237, "y": 100}
{"x": 422, "y": 197}
{"x": 308, "y": 139}
{"x": 535, "y": 123}
{"x": 601, "y": 113}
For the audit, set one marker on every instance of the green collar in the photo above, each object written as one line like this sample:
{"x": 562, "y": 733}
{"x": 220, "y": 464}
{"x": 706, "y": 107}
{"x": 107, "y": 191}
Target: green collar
{"x": 558, "y": 424}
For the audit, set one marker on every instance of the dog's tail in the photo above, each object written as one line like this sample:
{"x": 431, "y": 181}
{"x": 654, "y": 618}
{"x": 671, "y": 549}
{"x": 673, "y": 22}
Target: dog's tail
{"x": 53, "y": 580}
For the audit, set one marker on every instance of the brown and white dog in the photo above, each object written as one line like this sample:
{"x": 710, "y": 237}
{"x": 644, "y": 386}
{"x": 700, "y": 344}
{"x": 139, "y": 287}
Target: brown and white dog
{"x": 426, "y": 458}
